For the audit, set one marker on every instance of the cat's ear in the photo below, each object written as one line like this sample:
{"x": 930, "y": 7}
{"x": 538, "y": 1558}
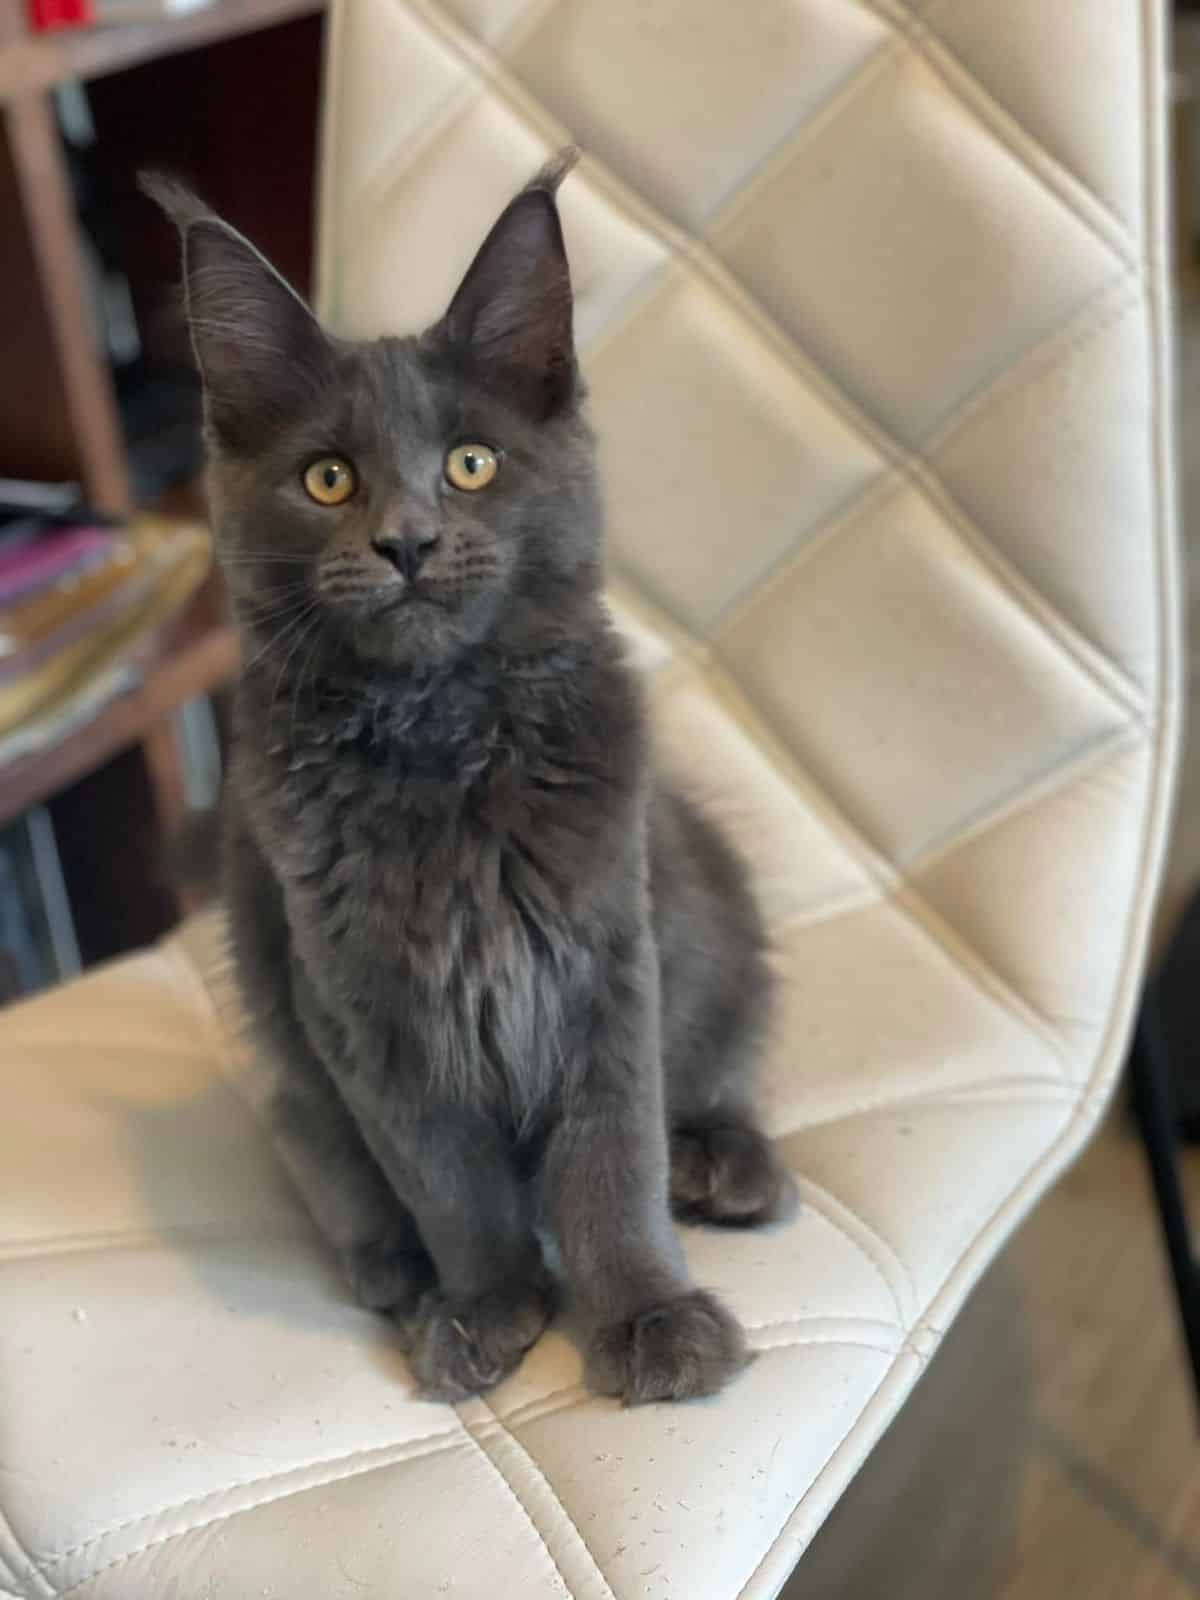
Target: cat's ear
{"x": 261, "y": 352}
{"x": 511, "y": 318}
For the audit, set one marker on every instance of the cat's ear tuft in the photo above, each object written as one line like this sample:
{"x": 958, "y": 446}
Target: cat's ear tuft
{"x": 261, "y": 352}
{"x": 511, "y": 318}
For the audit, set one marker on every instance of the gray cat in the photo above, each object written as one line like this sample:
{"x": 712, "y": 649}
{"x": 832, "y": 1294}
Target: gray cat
{"x": 506, "y": 984}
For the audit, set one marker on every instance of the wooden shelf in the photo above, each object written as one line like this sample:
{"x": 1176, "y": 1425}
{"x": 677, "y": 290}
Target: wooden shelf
{"x": 33, "y": 63}
{"x": 194, "y": 94}
{"x": 192, "y": 655}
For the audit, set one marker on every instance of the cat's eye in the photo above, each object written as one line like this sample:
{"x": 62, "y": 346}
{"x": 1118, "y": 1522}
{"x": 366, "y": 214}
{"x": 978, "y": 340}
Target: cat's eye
{"x": 471, "y": 466}
{"x": 330, "y": 481}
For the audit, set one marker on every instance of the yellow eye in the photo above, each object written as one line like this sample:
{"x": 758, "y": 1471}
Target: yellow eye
{"x": 471, "y": 466}
{"x": 330, "y": 481}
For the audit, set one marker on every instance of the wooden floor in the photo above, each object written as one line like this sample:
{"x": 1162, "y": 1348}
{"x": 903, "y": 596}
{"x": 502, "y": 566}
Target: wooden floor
{"x": 1109, "y": 1501}
{"x": 1052, "y": 1451}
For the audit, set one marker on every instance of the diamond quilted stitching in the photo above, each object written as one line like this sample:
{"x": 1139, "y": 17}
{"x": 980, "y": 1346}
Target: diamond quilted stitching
{"x": 253, "y": 1553}
{"x": 405, "y": 75}
{"x": 953, "y": 1165}
{"x": 870, "y": 1008}
{"x": 596, "y": 309}
{"x": 1017, "y": 874}
{"x": 159, "y": 1065}
{"x": 686, "y": 100}
{"x": 110, "y": 1545}
{"x": 674, "y": 1481}
{"x": 959, "y": 691}
{"x": 532, "y": 1491}
{"x": 799, "y": 866}
{"x": 1075, "y": 434}
{"x": 491, "y": 20}
{"x": 928, "y": 1178}
{"x": 446, "y": 200}
{"x": 548, "y": 1380}
{"x": 809, "y": 863}
{"x": 671, "y": 389}
{"x": 813, "y": 1269}
{"x": 1082, "y": 117}
{"x": 216, "y": 1404}
{"x": 908, "y": 250}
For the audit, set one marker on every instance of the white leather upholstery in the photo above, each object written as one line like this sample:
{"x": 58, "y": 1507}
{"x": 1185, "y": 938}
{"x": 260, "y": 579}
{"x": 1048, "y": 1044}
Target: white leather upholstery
{"x": 872, "y": 301}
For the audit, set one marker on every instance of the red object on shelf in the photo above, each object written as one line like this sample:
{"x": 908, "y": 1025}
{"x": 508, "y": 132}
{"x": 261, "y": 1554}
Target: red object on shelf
{"x": 45, "y": 15}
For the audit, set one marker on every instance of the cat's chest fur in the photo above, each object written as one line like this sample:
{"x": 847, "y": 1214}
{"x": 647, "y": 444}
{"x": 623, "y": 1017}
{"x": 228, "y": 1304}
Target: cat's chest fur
{"x": 444, "y": 888}
{"x": 423, "y": 876}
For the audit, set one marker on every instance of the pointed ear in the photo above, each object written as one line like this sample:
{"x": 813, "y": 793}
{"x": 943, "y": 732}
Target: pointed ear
{"x": 511, "y": 318}
{"x": 261, "y": 352}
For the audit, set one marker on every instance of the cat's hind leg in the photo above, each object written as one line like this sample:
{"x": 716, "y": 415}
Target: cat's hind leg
{"x": 724, "y": 1170}
{"x": 715, "y": 1004}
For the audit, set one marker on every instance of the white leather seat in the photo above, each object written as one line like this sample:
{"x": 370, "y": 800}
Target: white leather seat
{"x": 873, "y": 308}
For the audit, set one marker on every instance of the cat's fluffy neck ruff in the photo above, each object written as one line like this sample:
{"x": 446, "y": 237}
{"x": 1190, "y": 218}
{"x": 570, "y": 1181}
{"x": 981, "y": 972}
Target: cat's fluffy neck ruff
{"x": 451, "y": 716}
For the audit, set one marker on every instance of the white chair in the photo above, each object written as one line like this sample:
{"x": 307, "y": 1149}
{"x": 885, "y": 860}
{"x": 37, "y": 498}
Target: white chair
{"x": 872, "y": 303}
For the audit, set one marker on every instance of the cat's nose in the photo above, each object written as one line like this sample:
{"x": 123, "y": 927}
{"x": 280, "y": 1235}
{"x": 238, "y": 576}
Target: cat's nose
{"x": 406, "y": 551}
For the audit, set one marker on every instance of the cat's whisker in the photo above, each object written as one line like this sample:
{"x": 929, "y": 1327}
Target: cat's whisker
{"x": 295, "y": 587}
{"x": 245, "y": 556}
{"x": 251, "y": 560}
{"x": 304, "y": 666}
{"x": 281, "y": 613}
{"x": 279, "y": 636}
{"x": 280, "y": 601}
{"x": 311, "y": 624}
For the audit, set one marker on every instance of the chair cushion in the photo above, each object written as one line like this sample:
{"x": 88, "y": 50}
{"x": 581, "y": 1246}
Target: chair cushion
{"x": 190, "y": 1399}
{"x": 872, "y": 305}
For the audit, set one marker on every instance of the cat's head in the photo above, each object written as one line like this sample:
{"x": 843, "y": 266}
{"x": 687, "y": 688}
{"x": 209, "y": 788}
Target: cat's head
{"x": 412, "y": 496}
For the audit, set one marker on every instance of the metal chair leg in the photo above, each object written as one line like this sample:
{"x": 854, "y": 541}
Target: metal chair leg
{"x": 1153, "y": 1107}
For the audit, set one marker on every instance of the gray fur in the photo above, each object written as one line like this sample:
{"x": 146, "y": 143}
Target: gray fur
{"x": 499, "y": 974}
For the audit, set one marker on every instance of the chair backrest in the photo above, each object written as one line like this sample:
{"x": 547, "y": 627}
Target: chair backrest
{"x": 871, "y": 299}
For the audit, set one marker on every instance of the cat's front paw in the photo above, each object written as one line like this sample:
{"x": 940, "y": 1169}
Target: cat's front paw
{"x": 730, "y": 1176}
{"x": 684, "y": 1348}
{"x": 388, "y": 1273}
{"x": 459, "y": 1348}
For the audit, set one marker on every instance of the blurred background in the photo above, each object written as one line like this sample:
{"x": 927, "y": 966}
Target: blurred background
{"x": 1075, "y": 1471}
{"x": 114, "y": 643}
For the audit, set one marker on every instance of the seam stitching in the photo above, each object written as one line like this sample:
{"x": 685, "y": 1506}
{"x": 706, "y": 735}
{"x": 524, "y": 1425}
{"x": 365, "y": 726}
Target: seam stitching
{"x": 831, "y": 1209}
{"x": 490, "y": 72}
{"x": 1123, "y": 232}
{"x": 31, "y": 1575}
{"x": 834, "y": 1344}
{"x": 902, "y": 895}
{"x": 1040, "y": 163}
{"x": 1038, "y": 361}
{"x": 1088, "y": 762}
{"x": 744, "y": 1591}
{"x": 984, "y": 1092}
{"x": 893, "y": 887}
{"x": 407, "y": 1445}
{"x": 530, "y": 1411}
{"x": 519, "y": 1501}
{"x": 876, "y": 1323}
{"x": 145, "y": 1238}
{"x": 977, "y": 970}
{"x": 226, "y": 1516}
{"x": 915, "y": 471}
